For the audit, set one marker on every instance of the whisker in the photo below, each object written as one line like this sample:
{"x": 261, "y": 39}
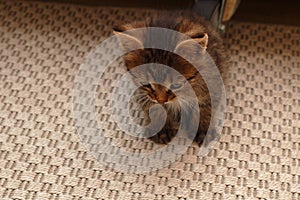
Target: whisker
{"x": 141, "y": 99}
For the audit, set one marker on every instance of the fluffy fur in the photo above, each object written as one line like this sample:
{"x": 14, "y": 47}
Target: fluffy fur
{"x": 151, "y": 93}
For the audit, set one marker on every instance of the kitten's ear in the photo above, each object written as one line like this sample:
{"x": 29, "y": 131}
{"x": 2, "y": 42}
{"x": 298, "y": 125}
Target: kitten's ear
{"x": 128, "y": 42}
{"x": 203, "y": 41}
{"x": 190, "y": 47}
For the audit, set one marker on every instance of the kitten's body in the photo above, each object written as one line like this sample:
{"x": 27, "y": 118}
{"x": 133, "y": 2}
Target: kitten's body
{"x": 195, "y": 27}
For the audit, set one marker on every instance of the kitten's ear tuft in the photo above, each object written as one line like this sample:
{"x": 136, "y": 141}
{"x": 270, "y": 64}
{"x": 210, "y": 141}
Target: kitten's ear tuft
{"x": 128, "y": 42}
{"x": 203, "y": 41}
{"x": 191, "y": 46}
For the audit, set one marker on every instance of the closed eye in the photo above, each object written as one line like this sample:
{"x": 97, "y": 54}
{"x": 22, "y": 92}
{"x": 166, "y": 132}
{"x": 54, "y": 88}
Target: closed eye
{"x": 146, "y": 84}
{"x": 190, "y": 78}
{"x": 175, "y": 86}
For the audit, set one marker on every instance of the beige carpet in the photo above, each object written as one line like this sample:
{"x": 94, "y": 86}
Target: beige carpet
{"x": 41, "y": 156}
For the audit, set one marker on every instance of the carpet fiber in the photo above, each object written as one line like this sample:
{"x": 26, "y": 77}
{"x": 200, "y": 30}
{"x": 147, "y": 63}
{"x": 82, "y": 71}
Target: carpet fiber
{"x": 42, "y": 157}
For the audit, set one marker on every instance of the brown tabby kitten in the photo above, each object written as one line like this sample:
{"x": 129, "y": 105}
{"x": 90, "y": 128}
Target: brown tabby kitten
{"x": 148, "y": 94}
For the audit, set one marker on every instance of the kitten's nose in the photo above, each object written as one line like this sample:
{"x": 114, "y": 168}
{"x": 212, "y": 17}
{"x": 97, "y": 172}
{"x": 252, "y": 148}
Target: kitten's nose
{"x": 160, "y": 93}
{"x": 161, "y": 100}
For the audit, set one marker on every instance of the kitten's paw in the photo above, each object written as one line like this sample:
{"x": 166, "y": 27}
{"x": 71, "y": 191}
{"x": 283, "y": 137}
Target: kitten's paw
{"x": 199, "y": 137}
{"x": 208, "y": 136}
{"x": 164, "y": 136}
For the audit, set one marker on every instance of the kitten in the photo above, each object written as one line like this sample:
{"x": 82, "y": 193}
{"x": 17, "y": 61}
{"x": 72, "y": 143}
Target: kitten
{"x": 150, "y": 93}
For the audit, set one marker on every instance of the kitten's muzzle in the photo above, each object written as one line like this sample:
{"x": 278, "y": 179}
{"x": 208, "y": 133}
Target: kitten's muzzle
{"x": 161, "y": 100}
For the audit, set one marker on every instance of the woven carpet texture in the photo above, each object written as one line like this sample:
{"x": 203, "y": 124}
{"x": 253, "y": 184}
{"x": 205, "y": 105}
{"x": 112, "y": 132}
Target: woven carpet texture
{"x": 42, "y": 156}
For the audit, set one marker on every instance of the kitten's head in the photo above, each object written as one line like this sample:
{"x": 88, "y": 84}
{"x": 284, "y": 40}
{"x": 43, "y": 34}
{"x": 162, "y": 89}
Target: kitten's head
{"x": 160, "y": 83}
